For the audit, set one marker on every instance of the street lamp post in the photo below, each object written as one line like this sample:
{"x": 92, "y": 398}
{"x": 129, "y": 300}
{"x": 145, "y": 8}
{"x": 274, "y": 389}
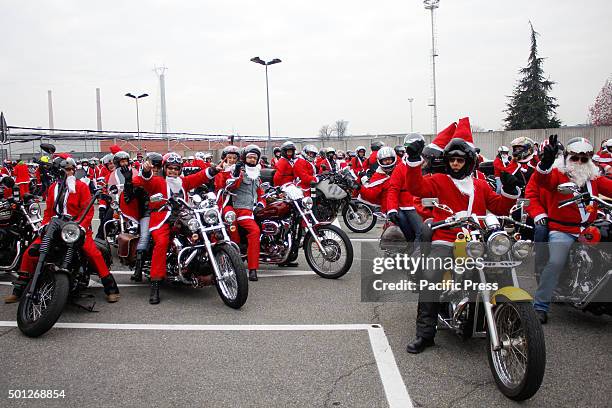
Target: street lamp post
{"x": 264, "y": 63}
{"x": 431, "y": 5}
{"x": 136, "y": 98}
{"x": 411, "y": 127}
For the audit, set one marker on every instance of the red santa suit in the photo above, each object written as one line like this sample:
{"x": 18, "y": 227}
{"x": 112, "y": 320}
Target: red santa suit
{"x": 325, "y": 165}
{"x": 371, "y": 161}
{"x": 540, "y": 200}
{"x": 399, "y": 197}
{"x": 572, "y": 218}
{"x": 358, "y": 164}
{"x": 199, "y": 163}
{"x": 75, "y": 202}
{"x": 499, "y": 166}
{"x": 22, "y": 178}
{"x": 476, "y": 198}
{"x": 160, "y": 231}
{"x": 284, "y": 172}
{"x": 130, "y": 209}
{"x": 274, "y": 161}
{"x": 375, "y": 191}
{"x": 305, "y": 172}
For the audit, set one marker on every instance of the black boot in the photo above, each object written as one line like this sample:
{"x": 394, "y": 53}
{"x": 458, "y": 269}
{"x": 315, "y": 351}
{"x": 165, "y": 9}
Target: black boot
{"x": 419, "y": 344}
{"x": 253, "y": 275}
{"x": 289, "y": 264}
{"x": 110, "y": 288}
{"x": 542, "y": 316}
{"x": 18, "y": 288}
{"x": 154, "y": 298}
{"x": 137, "y": 276}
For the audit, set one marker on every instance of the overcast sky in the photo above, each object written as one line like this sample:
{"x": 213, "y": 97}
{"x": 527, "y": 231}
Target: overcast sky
{"x": 342, "y": 59}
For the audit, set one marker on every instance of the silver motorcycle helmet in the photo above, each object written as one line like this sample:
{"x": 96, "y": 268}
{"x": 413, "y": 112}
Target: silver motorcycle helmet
{"x": 382, "y": 157}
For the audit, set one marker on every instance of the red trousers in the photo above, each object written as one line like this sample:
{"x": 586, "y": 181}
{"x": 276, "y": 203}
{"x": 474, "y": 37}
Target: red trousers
{"x": 28, "y": 262}
{"x": 24, "y": 188}
{"x": 161, "y": 237}
{"x": 246, "y": 220}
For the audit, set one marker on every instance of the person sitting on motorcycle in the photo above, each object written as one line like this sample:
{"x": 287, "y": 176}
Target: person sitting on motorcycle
{"x": 358, "y": 163}
{"x": 566, "y": 223}
{"x": 305, "y": 170}
{"x": 522, "y": 166}
{"x": 603, "y": 158}
{"x": 107, "y": 167}
{"x": 372, "y": 162}
{"x": 341, "y": 160}
{"x": 400, "y": 203}
{"x": 247, "y": 196}
{"x": 328, "y": 163}
{"x": 284, "y": 166}
{"x": 66, "y": 196}
{"x": 374, "y": 192}
{"x": 463, "y": 194}
{"x": 501, "y": 163}
{"x": 276, "y": 158}
{"x": 22, "y": 178}
{"x": 172, "y": 185}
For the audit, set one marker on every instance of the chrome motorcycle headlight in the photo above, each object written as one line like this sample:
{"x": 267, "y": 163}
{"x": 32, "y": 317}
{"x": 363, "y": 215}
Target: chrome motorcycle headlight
{"x": 34, "y": 209}
{"x": 307, "y": 203}
{"x": 499, "y": 243}
{"x": 193, "y": 225}
{"x": 211, "y": 217}
{"x": 475, "y": 249}
{"x": 230, "y": 217}
{"x": 71, "y": 232}
{"x": 521, "y": 249}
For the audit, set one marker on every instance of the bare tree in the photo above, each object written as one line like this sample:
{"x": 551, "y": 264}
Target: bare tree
{"x": 325, "y": 132}
{"x": 340, "y": 128}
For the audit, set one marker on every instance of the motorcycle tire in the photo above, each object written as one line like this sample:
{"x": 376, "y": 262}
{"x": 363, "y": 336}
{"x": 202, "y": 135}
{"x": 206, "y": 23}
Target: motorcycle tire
{"x": 534, "y": 350}
{"x": 236, "y": 295}
{"x": 54, "y": 290}
{"x": 363, "y": 228}
{"x": 326, "y": 233}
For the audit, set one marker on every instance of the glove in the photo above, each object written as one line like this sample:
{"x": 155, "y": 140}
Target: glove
{"x": 127, "y": 173}
{"x": 213, "y": 171}
{"x": 542, "y": 221}
{"x": 101, "y": 213}
{"x": 414, "y": 149}
{"x": 549, "y": 154}
{"x": 237, "y": 169}
{"x": 509, "y": 183}
{"x": 393, "y": 217}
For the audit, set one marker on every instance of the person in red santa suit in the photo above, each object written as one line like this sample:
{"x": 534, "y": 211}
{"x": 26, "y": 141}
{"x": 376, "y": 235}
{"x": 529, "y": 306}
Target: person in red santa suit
{"x": 341, "y": 160}
{"x": 375, "y": 191}
{"x": 603, "y": 158}
{"x": 284, "y": 166}
{"x": 229, "y": 158}
{"x": 247, "y": 198}
{"x": 304, "y": 169}
{"x": 501, "y": 163}
{"x": 458, "y": 190}
{"x": 372, "y": 161}
{"x": 172, "y": 185}
{"x": 66, "y": 196}
{"x": 522, "y": 166}
{"x": 358, "y": 163}
{"x": 277, "y": 156}
{"x": 22, "y": 178}
{"x": 328, "y": 162}
{"x": 199, "y": 161}
{"x": 565, "y": 223}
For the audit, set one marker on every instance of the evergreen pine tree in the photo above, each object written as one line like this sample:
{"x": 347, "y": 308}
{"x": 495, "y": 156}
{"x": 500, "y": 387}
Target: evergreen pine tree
{"x": 530, "y": 106}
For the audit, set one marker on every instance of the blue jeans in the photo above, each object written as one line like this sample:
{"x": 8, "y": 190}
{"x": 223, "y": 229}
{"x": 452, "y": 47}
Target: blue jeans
{"x": 540, "y": 237}
{"x": 145, "y": 235}
{"x": 411, "y": 224}
{"x": 498, "y": 185}
{"x": 559, "y": 244}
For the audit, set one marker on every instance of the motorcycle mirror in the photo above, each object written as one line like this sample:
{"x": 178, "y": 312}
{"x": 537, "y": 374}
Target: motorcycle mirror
{"x": 429, "y": 202}
{"x": 8, "y": 182}
{"x": 196, "y": 199}
{"x": 156, "y": 198}
{"x": 567, "y": 188}
{"x": 113, "y": 189}
{"x": 47, "y": 148}
{"x": 524, "y": 202}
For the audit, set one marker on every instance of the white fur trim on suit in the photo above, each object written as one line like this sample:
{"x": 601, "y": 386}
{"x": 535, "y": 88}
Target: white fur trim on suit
{"x": 539, "y": 217}
{"x": 513, "y": 197}
{"x": 539, "y": 169}
{"x": 414, "y": 164}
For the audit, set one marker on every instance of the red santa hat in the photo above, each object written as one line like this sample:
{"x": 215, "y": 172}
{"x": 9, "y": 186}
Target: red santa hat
{"x": 442, "y": 139}
{"x": 114, "y": 149}
{"x": 464, "y": 131}
{"x": 62, "y": 155}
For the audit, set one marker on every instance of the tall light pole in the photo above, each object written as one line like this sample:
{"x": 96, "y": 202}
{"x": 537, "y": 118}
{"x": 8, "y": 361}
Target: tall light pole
{"x": 136, "y": 98}
{"x": 411, "y": 127}
{"x": 431, "y": 5}
{"x": 264, "y": 63}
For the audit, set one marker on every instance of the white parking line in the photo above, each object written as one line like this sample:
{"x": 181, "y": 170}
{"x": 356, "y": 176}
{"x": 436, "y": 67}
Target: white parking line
{"x": 365, "y": 239}
{"x": 390, "y": 376}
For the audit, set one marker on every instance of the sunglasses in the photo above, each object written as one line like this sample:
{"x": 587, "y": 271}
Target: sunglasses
{"x": 459, "y": 160}
{"x": 581, "y": 159}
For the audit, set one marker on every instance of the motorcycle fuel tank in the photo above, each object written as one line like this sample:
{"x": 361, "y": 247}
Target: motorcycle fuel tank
{"x": 278, "y": 209}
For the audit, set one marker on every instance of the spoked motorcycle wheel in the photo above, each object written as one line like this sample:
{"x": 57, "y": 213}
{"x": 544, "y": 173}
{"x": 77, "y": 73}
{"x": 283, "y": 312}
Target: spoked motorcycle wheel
{"x": 518, "y": 368}
{"x": 359, "y": 220}
{"x": 339, "y": 252}
{"x": 233, "y": 287}
{"x": 37, "y": 314}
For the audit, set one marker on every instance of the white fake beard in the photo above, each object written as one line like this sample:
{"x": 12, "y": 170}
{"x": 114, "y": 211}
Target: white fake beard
{"x": 71, "y": 183}
{"x": 228, "y": 167}
{"x": 465, "y": 185}
{"x": 175, "y": 184}
{"x": 252, "y": 172}
{"x": 580, "y": 173}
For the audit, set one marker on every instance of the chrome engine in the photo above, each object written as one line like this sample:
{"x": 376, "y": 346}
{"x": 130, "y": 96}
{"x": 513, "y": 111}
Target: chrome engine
{"x": 275, "y": 240}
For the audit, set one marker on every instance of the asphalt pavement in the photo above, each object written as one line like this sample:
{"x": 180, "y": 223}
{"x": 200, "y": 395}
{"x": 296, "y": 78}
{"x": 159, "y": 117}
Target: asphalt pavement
{"x": 300, "y": 340}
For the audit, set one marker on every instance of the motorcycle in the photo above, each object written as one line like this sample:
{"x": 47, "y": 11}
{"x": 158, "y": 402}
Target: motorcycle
{"x": 334, "y": 192}
{"x": 287, "y": 223}
{"x": 19, "y": 225}
{"x": 200, "y": 251}
{"x": 516, "y": 351}
{"x": 587, "y": 284}
{"x": 61, "y": 273}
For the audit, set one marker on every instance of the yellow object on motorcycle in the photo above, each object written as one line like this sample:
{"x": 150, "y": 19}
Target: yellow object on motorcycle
{"x": 459, "y": 249}
{"x": 511, "y": 293}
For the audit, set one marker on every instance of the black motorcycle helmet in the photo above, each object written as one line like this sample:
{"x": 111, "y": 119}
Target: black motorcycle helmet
{"x": 231, "y": 149}
{"x": 120, "y": 156}
{"x": 400, "y": 151}
{"x": 433, "y": 160}
{"x": 155, "y": 159}
{"x": 376, "y": 145}
{"x": 277, "y": 151}
{"x": 252, "y": 148}
{"x": 285, "y": 147}
{"x": 458, "y": 147}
